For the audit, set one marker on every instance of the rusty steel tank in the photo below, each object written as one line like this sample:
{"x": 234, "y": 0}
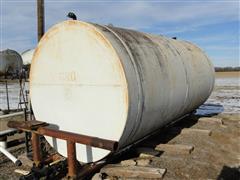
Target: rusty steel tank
{"x": 114, "y": 83}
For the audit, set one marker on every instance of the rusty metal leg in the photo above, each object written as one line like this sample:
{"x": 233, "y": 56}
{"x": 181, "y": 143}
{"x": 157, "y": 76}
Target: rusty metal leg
{"x": 72, "y": 160}
{"x": 36, "y": 149}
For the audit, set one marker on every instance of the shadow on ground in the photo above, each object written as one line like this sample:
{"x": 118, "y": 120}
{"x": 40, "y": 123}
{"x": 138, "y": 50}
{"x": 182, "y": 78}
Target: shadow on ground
{"x": 166, "y": 134}
{"x": 228, "y": 173}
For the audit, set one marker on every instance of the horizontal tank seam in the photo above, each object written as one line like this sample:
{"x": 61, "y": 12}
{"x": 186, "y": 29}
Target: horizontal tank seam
{"x": 101, "y": 85}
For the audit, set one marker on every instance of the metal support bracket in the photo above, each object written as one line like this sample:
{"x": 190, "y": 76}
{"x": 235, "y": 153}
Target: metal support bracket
{"x": 37, "y": 128}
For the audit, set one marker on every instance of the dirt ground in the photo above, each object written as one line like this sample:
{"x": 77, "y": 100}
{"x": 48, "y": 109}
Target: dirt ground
{"x": 214, "y": 157}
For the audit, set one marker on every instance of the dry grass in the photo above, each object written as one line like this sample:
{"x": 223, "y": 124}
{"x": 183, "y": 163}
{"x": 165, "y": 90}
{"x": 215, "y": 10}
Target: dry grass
{"x": 231, "y": 74}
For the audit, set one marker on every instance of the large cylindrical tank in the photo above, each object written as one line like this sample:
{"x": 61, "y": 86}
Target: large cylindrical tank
{"x": 10, "y": 62}
{"x": 27, "y": 56}
{"x": 114, "y": 83}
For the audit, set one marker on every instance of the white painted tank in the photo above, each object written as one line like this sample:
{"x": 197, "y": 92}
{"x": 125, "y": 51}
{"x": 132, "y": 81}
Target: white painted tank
{"x": 27, "y": 56}
{"x": 10, "y": 62}
{"x": 114, "y": 83}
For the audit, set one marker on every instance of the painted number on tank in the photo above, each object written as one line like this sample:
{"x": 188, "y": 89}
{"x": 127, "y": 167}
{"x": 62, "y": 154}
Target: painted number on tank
{"x": 67, "y": 76}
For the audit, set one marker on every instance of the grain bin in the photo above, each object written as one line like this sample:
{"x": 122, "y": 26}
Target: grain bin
{"x": 114, "y": 83}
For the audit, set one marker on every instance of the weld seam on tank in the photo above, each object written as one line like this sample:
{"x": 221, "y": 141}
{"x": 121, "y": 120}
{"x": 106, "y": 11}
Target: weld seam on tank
{"x": 141, "y": 101}
{"x": 210, "y": 65}
{"x": 187, "y": 77}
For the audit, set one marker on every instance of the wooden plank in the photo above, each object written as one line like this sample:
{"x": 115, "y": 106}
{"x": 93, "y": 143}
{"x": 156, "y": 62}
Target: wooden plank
{"x": 143, "y": 161}
{"x": 133, "y": 171}
{"x": 175, "y": 148}
{"x": 8, "y": 132}
{"x": 25, "y": 160}
{"x": 210, "y": 120}
{"x": 27, "y": 125}
{"x": 129, "y": 162}
{"x": 145, "y": 155}
{"x": 147, "y": 150}
{"x": 97, "y": 176}
{"x": 190, "y": 131}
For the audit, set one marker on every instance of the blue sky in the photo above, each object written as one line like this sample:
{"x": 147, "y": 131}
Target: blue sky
{"x": 213, "y": 25}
